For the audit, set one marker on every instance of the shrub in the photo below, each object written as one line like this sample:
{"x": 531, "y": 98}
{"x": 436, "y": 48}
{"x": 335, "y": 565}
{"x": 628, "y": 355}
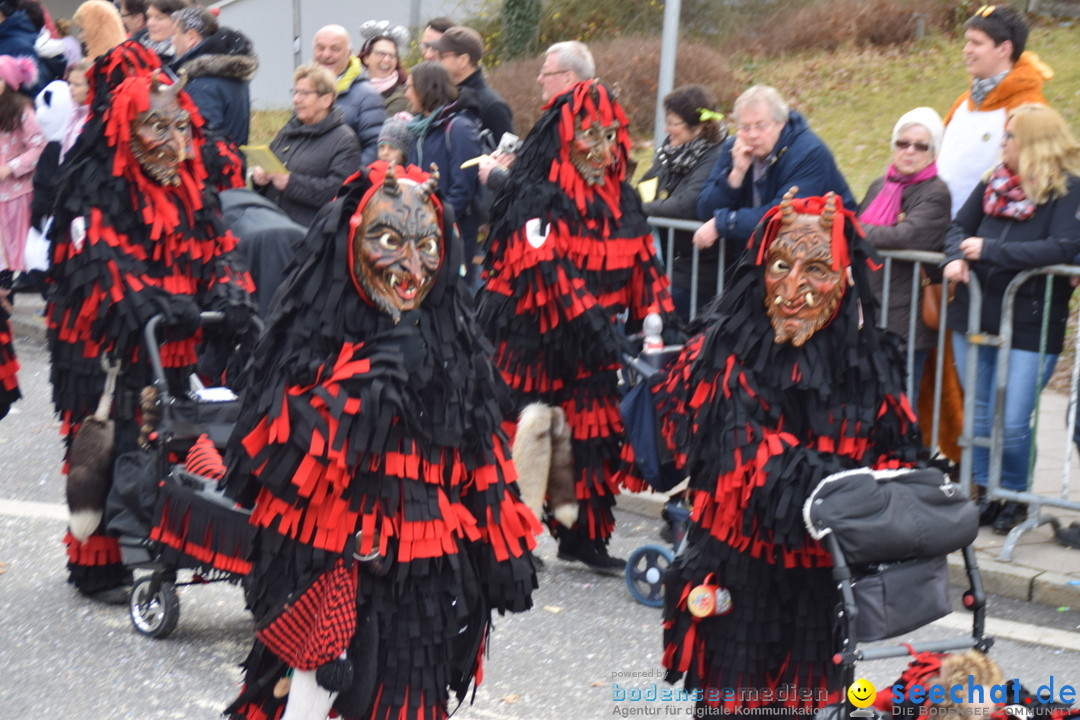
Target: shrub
{"x": 632, "y": 64}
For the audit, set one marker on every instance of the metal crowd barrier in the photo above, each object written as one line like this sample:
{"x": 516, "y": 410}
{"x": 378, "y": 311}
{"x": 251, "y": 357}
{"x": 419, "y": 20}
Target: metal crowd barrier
{"x": 668, "y": 255}
{"x": 1003, "y": 342}
{"x": 1035, "y": 501}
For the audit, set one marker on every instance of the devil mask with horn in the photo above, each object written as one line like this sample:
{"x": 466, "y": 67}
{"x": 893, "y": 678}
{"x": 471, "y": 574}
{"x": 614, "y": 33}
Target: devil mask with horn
{"x": 804, "y": 276}
{"x": 161, "y": 136}
{"x": 395, "y": 241}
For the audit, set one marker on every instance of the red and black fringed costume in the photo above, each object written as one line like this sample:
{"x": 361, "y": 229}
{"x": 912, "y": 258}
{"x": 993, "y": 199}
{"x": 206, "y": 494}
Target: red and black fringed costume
{"x": 756, "y": 423}
{"x": 566, "y": 257}
{"x": 9, "y": 366}
{"x": 388, "y": 522}
{"x": 125, "y": 248}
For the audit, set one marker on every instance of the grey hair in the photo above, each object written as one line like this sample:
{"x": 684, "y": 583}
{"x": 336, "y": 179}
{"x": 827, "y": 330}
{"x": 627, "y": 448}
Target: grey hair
{"x": 196, "y": 18}
{"x": 778, "y": 108}
{"x": 575, "y": 57}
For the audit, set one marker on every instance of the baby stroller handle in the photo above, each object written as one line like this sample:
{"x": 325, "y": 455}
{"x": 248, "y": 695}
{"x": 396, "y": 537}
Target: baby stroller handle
{"x": 153, "y": 349}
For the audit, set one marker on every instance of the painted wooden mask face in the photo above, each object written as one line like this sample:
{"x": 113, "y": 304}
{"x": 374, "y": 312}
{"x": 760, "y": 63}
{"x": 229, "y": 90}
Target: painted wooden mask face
{"x": 593, "y": 150}
{"x": 397, "y": 245}
{"x": 802, "y": 289}
{"x": 161, "y": 136}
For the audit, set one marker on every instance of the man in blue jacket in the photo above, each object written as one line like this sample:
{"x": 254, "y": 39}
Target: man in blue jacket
{"x": 772, "y": 150}
{"x": 219, "y": 64}
{"x": 362, "y": 104}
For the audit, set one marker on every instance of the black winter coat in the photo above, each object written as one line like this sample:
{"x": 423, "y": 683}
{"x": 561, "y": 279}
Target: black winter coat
{"x": 1050, "y": 236}
{"x": 219, "y": 70}
{"x": 676, "y": 197}
{"x": 319, "y": 158}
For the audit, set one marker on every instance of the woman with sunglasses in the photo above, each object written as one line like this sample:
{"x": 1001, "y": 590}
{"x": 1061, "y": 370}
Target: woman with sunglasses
{"x": 908, "y": 209}
{"x": 1024, "y": 214}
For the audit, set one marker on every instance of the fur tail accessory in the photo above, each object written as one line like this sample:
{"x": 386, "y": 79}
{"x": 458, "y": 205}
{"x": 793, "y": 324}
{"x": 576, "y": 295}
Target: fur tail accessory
{"x": 90, "y": 463}
{"x": 544, "y": 458}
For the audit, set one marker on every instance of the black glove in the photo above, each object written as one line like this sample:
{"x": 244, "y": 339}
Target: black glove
{"x": 180, "y": 313}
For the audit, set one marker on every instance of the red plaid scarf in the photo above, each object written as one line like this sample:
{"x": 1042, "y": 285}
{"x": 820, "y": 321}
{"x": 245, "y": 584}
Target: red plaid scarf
{"x": 1004, "y": 196}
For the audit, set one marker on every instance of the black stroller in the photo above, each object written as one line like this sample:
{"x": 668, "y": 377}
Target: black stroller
{"x": 166, "y": 509}
{"x": 889, "y": 533}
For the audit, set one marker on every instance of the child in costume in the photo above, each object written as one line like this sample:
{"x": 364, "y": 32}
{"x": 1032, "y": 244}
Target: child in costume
{"x": 790, "y": 382}
{"x": 370, "y": 445}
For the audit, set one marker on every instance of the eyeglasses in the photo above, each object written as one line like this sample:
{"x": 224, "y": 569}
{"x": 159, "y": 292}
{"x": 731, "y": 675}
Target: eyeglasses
{"x": 549, "y": 73}
{"x": 384, "y": 54}
{"x": 904, "y": 145}
{"x": 760, "y": 126}
{"x": 985, "y": 11}
{"x": 674, "y": 123}
{"x": 301, "y": 91}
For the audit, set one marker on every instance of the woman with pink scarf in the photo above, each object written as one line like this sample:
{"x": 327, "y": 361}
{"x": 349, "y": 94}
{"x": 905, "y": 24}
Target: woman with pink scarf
{"x": 380, "y": 51}
{"x": 908, "y": 209}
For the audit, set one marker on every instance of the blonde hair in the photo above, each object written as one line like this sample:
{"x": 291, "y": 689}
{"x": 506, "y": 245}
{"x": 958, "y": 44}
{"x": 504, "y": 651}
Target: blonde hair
{"x": 321, "y": 80}
{"x": 955, "y": 670}
{"x": 1049, "y": 153}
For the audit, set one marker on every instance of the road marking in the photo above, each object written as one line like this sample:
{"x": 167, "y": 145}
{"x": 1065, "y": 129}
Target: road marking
{"x": 1012, "y": 630}
{"x": 31, "y": 509}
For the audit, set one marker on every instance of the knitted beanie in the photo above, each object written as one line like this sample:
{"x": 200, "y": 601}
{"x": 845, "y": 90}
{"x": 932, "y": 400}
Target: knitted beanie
{"x": 395, "y": 132}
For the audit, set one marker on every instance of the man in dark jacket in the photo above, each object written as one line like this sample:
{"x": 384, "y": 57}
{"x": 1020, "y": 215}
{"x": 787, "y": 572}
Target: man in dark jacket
{"x": 219, "y": 64}
{"x": 459, "y": 50}
{"x": 359, "y": 101}
{"x": 773, "y": 150}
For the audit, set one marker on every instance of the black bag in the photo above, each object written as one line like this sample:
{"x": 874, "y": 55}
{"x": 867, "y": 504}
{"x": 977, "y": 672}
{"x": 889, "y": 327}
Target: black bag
{"x": 131, "y": 507}
{"x": 890, "y": 515}
{"x": 901, "y": 597}
{"x": 651, "y": 454}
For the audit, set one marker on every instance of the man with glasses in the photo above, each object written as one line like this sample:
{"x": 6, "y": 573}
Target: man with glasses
{"x": 459, "y": 50}
{"x": 772, "y": 151}
{"x": 359, "y": 101}
{"x": 1003, "y": 76}
{"x": 432, "y": 32}
{"x": 565, "y": 64}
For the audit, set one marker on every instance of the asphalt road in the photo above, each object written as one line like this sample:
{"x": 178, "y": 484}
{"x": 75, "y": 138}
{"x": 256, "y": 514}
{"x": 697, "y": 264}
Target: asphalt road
{"x": 65, "y": 658}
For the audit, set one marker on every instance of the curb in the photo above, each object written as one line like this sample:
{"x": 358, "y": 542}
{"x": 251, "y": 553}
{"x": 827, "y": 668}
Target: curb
{"x": 998, "y": 578}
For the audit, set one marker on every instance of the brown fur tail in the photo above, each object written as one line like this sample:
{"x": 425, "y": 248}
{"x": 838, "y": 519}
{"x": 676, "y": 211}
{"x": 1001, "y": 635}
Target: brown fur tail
{"x": 532, "y": 455}
{"x": 562, "y": 499}
{"x": 89, "y": 469}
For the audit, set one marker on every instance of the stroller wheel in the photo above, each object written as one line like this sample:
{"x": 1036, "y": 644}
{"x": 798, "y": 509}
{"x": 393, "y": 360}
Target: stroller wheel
{"x": 154, "y": 614}
{"x": 645, "y": 570}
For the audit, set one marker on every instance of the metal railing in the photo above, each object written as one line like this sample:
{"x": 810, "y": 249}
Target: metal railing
{"x": 668, "y": 256}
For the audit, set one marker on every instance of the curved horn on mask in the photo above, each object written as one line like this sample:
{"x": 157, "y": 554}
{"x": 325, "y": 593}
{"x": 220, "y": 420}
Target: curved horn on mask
{"x": 431, "y": 183}
{"x": 787, "y": 211}
{"x": 390, "y": 184}
{"x": 828, "y": 213}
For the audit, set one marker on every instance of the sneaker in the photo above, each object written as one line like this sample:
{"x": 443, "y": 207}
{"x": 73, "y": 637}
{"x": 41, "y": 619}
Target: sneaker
{"x": 1011, "y": 515}
{"x": 988, "y": 509}
{"x": 594, "y": 554}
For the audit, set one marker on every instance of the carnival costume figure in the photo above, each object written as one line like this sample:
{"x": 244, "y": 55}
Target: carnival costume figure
{"x": 137, "y": 234}
{"x": 570, "y": 250}
{"x": 9, "y": 364}
{"x": 388, "y": 522}
{"x": 790, "y": 382}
